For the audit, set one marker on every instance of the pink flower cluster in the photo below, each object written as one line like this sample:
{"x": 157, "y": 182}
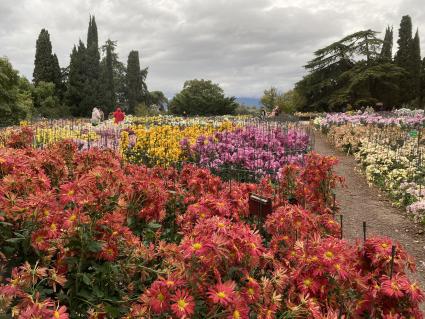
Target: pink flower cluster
{"x": 384, "y": 119}
{"x": 256, "y": 149}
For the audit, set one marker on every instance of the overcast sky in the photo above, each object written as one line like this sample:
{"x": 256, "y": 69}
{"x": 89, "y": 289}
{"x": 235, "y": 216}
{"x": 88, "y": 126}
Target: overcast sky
{"x": 244, "y": 45}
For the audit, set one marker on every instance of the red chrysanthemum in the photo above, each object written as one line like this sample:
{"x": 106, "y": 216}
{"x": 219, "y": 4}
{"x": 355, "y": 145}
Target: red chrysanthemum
{"x": 222, "y": 293}
{"x": 183, "y": 305}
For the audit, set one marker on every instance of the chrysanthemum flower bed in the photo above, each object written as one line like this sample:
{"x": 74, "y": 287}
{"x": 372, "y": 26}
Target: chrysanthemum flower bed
{"x": 85, "y": 235}
{"x": 262, "y": 151}
{"x": 390, "y": 149}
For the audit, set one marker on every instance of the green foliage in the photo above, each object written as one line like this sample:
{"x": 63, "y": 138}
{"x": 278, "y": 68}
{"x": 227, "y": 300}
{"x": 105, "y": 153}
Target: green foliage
{"x": 24, "y": 98}
{"x": 76, "y": 80}
{"x": 107, "y": 78}
{"x": 119, "y": 75}
{"x": 15, "y": 95}
{"x": 422, "y": 85}
{"x": 46, "y": 64}
{"x": 202, "y": 97}
{"x": 387, "y": 47}
{"x": 136, "y": 87}
{"x": 84, "y": 90}
{"x": 290, "y": 101}
{"x": 159, "y": 99}
{"x": 358, "y": 70}
{"x": 415, "y": 65}
{"x": 404, "y": 58}
{"x": 242, "y": 109}
{"x": 142, "y": 109}
{"x": 43, "y": 64}
{"x": 46, "y": 103}
{"x": 269, "y": 99}
{"x": 92, "y": 93}
{"x": 404, "y": 41}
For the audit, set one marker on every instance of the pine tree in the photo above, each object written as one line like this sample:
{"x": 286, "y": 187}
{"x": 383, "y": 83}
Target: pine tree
{"x": 107, "y": 86}
{"x": 387, "y": 47}
{"x": 415, "y": 65}
{"x": 136, "y": 86}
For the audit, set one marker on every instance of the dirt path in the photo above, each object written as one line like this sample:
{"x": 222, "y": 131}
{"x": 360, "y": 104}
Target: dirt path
{"x": 359, "y": 203}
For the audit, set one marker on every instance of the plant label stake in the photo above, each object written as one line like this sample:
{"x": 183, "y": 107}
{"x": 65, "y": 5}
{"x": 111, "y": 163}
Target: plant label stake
{"x": 392, "y": 261}
{"x": 259, "y": 205}
{"x": 364, "y": 231}
{"x": 342, "y": 233}
{"x": 413, "y": 133}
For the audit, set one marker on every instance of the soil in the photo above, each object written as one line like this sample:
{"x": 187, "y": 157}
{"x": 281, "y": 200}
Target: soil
{"x": 360, "y": 202}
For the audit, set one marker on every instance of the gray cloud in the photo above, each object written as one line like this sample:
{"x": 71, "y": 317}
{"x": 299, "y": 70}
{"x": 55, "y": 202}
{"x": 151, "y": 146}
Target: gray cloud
{"x": 245, "y": 45}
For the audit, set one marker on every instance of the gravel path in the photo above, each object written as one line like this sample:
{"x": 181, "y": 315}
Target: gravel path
{"x": 359, "y": 202}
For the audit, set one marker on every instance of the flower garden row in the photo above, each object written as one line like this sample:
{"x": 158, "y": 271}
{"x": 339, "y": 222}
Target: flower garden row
{"x": 223, "y": 143}
{"x": 390, "y": 148}
{"x": 85, "y": 234}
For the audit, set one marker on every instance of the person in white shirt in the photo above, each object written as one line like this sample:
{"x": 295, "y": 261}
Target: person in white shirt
{"x": 96, "y": 116}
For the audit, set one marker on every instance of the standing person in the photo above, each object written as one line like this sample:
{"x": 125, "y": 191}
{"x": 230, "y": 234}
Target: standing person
{"x": 95, "y": 116}
{"x": 118, "y": 115}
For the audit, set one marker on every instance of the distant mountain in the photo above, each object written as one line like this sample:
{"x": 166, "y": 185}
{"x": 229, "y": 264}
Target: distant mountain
{"x": 249, "y": 101}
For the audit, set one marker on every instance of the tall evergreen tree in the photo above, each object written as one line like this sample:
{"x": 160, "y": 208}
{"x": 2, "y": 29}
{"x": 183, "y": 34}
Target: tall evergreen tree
{"x": 415, "y": 65}
{"x": 422, "y": 88}
{"x": 107, "y": 83}
{"x": 46, "y": 64}
{"x": 136, "y": 86}
{"x": 119, "y": 73}
{"x": 77, "y": 80}
{"x": 92, "y": 94}
{"x": 387, "y": 47}
{"x": 58, "y": 78}
{"x": 403, "y": 58}
{"x": 404, "y": 41}
{"x": 43, "y": 64}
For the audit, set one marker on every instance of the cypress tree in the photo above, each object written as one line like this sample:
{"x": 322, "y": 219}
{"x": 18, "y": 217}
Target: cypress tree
{"x": 92, "y": 37}
{"x": 92, "y": 94}
{"x": 43, "y": 63}
{"x": 387, "y": 47}
{"x": 57, "y": 78}
{"x": 108, "y": 90}
{"x": 404, "y": 41}
{"x": 415, "y": 65}
{"x": 77, "y": 80}
{"x": 403, "y": 59}
{"x": 46, "y": 64}
{"x": 133, "y": 80}
{"x": 422, "y": 87}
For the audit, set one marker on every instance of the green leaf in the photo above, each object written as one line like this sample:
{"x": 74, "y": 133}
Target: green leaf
{"x": 5, "y": 224}
{"x": 112, "y": 311}
{"x": 14, "y": 240}
{"x": 94, "y": 246}
{"x": 154, "y": 225}
{"x": 86, "y": 279}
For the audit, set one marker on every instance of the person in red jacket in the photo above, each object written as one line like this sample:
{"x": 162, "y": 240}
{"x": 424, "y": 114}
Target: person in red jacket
{"x": 118, "y": 116}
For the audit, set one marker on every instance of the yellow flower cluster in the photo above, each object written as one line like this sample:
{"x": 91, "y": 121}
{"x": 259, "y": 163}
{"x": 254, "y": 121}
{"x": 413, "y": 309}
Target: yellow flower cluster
{"x": 45, "y": 136}
{"x": 160, "y": 145}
